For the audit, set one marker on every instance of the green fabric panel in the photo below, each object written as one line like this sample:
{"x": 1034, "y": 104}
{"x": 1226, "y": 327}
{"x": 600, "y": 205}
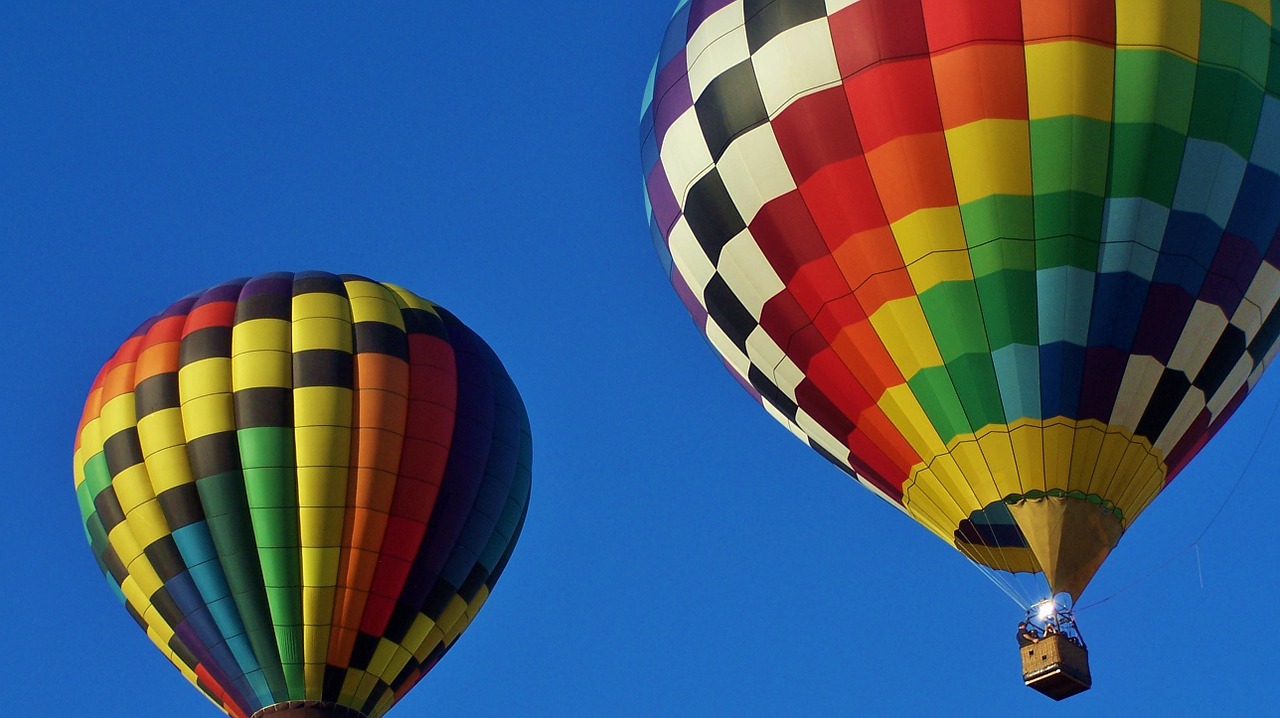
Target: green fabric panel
{"x": 84, "y": 500}
{"x": 1231, "y": 36}
{"x": 1226, "y": 109}
{"x": 974, "y": 377}
{"x": 96, "y": 475}
{"x": 1068, "y": 154}
{"x": 1067, "y": 251}
{"x": 1146, "y": 161}
{"x": 1153, "y": 86}
{"x": 932, "y": 387}
{"x": 271, "y": 488}
{"x": 266, "y": 446}
{"x": 955, "y": 318}
{"x": 1001, "y": 255}
{"x": 226, "y": 509}
{"x": 999, "y": 216}
{"x": 1009, "y": 307}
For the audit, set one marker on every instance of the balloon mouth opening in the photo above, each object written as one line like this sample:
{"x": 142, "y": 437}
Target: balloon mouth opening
{"x": 308, "y": 709}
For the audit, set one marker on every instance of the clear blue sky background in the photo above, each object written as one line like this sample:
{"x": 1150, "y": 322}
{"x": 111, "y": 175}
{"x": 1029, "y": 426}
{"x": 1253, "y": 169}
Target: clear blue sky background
{"x": 684, "y": 555}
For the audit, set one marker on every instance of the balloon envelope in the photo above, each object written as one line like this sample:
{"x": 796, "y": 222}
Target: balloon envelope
{"x": 1010, "y": 263}
{"x": 303, "y": 488}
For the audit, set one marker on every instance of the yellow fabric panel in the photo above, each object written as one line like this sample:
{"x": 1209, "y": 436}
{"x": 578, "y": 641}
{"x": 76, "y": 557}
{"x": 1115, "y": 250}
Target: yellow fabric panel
{"x": 928, "y": 230}
{"x": 1171, "y": 24}
{"x": 1058, "y": 439}
{"x": 990, "y": 157}
{"x": 398, "y": 661}
{"x": 930, "y": 507}
{"x": 320, "y": 304}
{"x": 955, "y": 495}
{"x": 314, "y": 678}
{"x": 119, "y": 413}
{"x": 321, "y": 456}
{"x": 208, "y": 414}
{"x": 372, "y": 302}
{"x": 205, "y": 377}
{"x": 409, "y": 299}
{"x": 903, "y": 409}
{"x": 261, "y": 335}
{"x": 434, "y": 638}
{"x": 971, "y": 471}
{"x": 147, "y": 522}
{"x": 384, "y": 704}
{"x": 1070, "y": 78}
{"x": 477, "y": 603}
{"x": 1084, "y": 455}
{"x": 382, "y": 658}
{"x": 324, "y": 407}
{"x": 318, "y": 530}
{"x": 1136, "y": 494}
{"x": 997, "y": 450}
{"x": 902, "y": 327}
{"x": 322, "y": 333}
{"x": 322, "y": 487}
{"x": 133, "y": 488}
{"x": 169, "y": 468}
{"x": 1019, "y": 560}
{"x": 1028, "y": 453}
{"x": 262, "y": 369}
{"x": 1111, "y": 460}
{"x": 127, "y": 548}
{"x": 350, "y": 686}
{"x": 938, "y": 267}
{"x": 161, "y": 430}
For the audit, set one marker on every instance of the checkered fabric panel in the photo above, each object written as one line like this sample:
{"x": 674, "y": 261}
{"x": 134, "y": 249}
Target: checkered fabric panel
{"x": 977, "y": 250}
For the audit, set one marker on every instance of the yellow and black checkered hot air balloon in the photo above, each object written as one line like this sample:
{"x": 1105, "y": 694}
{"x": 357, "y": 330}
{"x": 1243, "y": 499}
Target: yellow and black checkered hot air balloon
{"x": 303, "y": 487}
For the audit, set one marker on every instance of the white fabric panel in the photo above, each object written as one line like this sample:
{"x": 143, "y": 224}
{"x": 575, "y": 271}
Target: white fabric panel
{"x": 684, "y": 154}
{"x": 1139, "y": 383}
{"x": 690, "y": 260}
{"x": 719, "y": 44}
{"x": 1259, "y": 300}
{"x": 1203, "y": 329}
{"x": 754, "y": 171}
{"x": 796, "y": 62}
{"x": 1236, "y": 379}
{"x": 745, "y": 269}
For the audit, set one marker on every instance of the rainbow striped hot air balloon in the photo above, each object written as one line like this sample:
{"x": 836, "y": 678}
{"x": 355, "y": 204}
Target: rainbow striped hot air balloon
{"x": 1009, "y": 263}
{"x": 303, "y": 488}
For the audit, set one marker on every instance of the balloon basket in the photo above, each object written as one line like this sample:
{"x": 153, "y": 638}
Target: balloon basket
{"x": 1056, "y": 666}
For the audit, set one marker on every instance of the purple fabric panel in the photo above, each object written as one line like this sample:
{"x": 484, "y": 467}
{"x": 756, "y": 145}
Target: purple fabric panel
{"x": 672, "y": 96}
{"x": 1103, "y": 372}
{"x": 1229, "y": 276}
{"x": 1163, "y": 318}
{"x": 700, "y": 10}
{"x": 666, "y": 209}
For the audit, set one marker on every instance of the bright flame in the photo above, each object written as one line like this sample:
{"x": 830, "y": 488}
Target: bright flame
{"x": 1046, "y": 610}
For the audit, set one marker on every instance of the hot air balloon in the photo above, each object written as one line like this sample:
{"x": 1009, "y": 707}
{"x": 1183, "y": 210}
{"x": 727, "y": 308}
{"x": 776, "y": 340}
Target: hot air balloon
{"x": 1008, "y": 263}
{"x": 303, "y": 487}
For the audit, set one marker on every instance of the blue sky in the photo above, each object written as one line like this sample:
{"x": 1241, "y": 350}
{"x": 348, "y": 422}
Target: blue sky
{"x": 683, "y": 554}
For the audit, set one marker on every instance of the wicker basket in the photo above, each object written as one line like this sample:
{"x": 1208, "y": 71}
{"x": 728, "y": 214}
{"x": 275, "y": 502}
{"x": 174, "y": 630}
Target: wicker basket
{"x": 1057, "y": 667}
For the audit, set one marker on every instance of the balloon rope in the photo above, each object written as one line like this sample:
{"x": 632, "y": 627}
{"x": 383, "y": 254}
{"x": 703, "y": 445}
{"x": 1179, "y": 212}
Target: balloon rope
{"x": 1196, "y": 542}
{"x": 1002, "y": 585}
